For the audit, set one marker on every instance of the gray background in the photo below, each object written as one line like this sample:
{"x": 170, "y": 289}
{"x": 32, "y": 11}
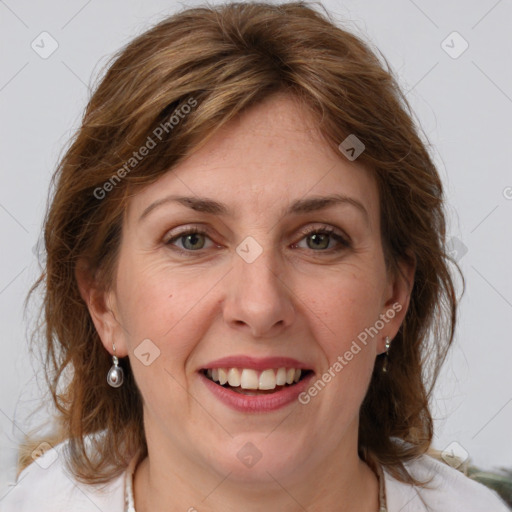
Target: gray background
{"x": 463, "y": 104}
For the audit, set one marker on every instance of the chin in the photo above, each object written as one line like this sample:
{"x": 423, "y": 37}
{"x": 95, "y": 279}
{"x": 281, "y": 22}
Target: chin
{"x": 253, "y": 462}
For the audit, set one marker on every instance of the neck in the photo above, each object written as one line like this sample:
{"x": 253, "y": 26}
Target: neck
{"x": 348, "y": 486}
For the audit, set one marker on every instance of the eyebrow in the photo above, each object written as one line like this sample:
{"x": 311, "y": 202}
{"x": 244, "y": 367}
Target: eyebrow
{"x": 300, "y": 206}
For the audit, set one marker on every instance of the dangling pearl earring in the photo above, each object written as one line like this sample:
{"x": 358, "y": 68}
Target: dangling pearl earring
{"x": 385, "y": 365}
{"x": 115, "y": 375}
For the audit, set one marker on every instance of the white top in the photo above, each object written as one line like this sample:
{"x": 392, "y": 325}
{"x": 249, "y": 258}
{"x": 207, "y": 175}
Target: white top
{"x": 47, "y": 486}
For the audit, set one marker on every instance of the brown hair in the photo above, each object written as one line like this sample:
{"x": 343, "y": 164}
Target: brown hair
{"x": 227, "y": 58}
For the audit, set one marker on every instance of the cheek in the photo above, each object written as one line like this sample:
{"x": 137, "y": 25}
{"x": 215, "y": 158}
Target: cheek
{"x": 152, "y": 297}
{"x": 351, "y": 310}
{"x": 165, "y": 305}
{"x": 348, "y": 306}
{"x": 160, "y": 309}
{"x": 349, "y": 348}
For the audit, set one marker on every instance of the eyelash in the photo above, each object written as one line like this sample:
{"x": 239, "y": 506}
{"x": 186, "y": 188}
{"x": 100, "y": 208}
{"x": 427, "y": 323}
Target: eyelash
{"x": 326, "y": 230}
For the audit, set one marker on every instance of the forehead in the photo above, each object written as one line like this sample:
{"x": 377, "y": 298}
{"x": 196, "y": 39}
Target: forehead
{"x": 261, "y": 161}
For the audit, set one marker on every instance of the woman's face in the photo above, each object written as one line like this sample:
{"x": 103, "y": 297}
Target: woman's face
{"x": 258, "y": 287}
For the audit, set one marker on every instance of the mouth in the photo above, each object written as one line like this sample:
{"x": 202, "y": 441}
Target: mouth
{"x": 251, "y": 382}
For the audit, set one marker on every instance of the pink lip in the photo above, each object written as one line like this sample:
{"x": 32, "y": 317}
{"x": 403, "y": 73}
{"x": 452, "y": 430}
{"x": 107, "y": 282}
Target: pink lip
{"x": 258, "y": 403}
{"x": 256, "y": 363}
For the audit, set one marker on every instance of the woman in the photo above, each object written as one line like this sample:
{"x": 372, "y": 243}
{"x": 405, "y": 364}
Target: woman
{"x": 245, "y": 274}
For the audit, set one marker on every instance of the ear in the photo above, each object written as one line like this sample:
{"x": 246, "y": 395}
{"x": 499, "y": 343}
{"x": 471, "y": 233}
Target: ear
{"x": 102, "y": 307}
{"x": 397, "y": 297}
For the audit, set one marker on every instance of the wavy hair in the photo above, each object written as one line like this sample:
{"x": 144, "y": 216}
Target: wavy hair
{"x": 228, "y": 58}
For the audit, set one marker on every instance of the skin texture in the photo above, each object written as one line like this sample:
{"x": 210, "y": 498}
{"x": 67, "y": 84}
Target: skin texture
{"x": 297, "y": 299}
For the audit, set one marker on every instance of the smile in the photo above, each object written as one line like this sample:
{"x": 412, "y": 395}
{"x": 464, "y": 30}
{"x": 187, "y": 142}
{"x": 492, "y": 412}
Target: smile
{"x": 245, "y": 380}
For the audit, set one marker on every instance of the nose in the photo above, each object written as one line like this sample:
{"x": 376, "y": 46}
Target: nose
{"x": 258, "y": 300}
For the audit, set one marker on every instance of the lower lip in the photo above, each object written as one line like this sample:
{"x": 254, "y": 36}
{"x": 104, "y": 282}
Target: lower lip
{"x": 258, "y": 403}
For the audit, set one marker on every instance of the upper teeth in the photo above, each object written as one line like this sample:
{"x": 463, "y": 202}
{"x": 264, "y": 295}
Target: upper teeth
{"x": 248, "y": 378}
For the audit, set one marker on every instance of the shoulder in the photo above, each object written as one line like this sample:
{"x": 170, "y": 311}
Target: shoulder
{"x": 47, "y": 485}
{"x": 449, "y": 489}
